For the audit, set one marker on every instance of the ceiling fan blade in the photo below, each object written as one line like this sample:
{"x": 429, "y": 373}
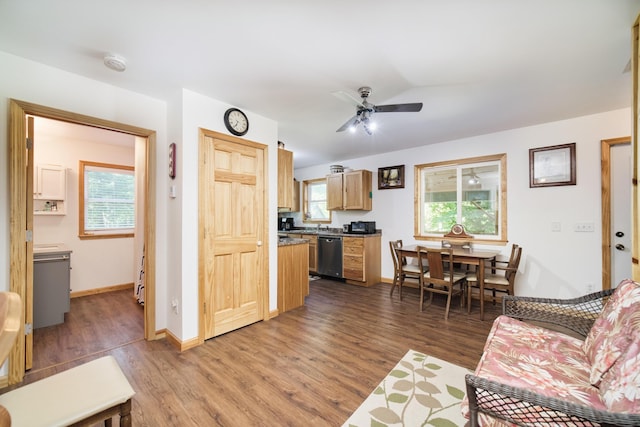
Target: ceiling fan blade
{"x": 348, "y": 98}
{"x": 352, "y": 121}
{"x": 391, "y": 108}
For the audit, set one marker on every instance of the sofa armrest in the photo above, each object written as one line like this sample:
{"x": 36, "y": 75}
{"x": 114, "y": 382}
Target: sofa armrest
{"x": 576, "y": 314}
{"x": 525, "y": 407}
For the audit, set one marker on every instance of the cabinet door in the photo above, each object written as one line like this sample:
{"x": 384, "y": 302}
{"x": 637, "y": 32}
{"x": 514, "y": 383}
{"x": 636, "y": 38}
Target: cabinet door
{"x": 334, "y": 191}
{"x": 285, "y": 179}
{"x": 357, "y": 190}
{"x": 50, "y": 183}
{"x": 353, "y": 258}
{"x": 313, "y": 253}
{"x": 296, "y": 196}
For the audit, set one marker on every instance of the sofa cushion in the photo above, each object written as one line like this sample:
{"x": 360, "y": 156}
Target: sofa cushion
{"x": 620, "y": 385}
{"x": 553, "y": 364}
{"x": 609, "y": 336}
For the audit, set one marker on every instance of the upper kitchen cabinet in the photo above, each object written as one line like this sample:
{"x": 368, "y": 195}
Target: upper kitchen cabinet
{"x": 49, "y": 189}
{"x": 349, "y": 190}
{"x": 296, "y": 196}
{"x": 285, "y": 180}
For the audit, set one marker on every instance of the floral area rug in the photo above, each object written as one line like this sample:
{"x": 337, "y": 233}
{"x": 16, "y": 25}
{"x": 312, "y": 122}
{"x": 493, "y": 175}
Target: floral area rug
{"x": 420, "y": 391}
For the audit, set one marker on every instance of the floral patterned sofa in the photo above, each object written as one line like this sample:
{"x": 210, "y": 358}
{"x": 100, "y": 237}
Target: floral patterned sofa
{"x": 531, "y": 375}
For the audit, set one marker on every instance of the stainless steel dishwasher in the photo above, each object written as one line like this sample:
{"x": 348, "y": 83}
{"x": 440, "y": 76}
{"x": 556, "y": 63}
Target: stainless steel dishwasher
{"x": 330, "y": 256}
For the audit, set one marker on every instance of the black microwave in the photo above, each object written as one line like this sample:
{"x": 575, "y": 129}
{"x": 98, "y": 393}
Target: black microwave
{"x": 362, "y": 227}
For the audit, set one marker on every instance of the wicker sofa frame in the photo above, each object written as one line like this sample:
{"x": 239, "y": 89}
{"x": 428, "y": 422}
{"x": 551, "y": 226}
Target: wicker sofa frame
{"x": 499, "y": 400}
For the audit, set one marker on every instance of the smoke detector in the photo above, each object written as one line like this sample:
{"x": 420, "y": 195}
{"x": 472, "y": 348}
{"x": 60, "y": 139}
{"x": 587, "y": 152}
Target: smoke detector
{"x": 115, "y": 62}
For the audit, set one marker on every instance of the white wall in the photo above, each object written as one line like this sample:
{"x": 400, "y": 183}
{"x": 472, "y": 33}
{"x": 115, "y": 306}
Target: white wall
{"x": 554, "y": 264}
{"x": 95, "y": 263}
{"x": 40, "y": 84}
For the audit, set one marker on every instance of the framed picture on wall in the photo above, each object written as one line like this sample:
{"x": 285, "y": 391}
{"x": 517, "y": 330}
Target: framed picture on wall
{"x": 391, "y": 177}
{"x": 552, "y": 166}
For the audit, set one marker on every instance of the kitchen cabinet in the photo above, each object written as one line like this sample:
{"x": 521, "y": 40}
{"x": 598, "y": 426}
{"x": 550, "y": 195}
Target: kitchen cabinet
{"x": 49, "y": 189}
{"x": 313, "y": 249}
{"x": 361, "y": 260}
{"x": 293, "y": 275}
{"x": 313, "y": 252}
{"x": 285, "y": 180}
{"x": 349, "y": 190}
{"x": 296, "y": 196}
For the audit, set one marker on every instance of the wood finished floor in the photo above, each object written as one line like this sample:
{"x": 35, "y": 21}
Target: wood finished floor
{"x": 310, "y": 366}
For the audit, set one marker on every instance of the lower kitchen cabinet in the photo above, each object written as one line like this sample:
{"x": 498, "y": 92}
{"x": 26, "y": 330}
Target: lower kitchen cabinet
{"x": 313, "y": 249}
{"x": 293, "y": 275}
{"x": 361, "y": 260}
{"x": 313, "y": 253}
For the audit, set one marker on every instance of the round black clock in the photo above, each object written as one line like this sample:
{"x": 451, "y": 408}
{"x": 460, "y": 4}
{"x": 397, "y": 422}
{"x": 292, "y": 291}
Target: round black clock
{"x": 236, "y": 121}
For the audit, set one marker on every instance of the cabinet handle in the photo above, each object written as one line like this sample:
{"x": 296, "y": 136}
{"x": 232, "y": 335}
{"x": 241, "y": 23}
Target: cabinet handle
{"x": 60, "y": 258}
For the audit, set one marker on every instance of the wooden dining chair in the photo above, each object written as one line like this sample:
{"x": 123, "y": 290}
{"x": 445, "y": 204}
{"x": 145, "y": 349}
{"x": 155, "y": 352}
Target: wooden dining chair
{"x": 499, "y": 276}
{"x": 441, "y": 278}
{"x": 403, "y": 269}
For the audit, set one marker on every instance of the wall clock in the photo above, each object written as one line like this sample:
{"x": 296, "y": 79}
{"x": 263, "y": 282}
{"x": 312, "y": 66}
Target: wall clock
{"x": 172, "y": 160}
{"x": 236, "y": 121}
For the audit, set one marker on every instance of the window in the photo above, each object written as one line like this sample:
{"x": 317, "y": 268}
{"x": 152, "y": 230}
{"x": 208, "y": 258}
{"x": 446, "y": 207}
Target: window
{"x": 315, "y": 201}
{"x": 107, "y": 200}
{"x": 471, "y": 192}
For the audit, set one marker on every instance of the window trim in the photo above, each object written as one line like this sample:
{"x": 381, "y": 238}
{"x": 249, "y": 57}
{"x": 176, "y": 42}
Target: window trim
{"x": 82, "y": 233}
{"x": 305, "y": 202}
{"x": 502, "y": 239}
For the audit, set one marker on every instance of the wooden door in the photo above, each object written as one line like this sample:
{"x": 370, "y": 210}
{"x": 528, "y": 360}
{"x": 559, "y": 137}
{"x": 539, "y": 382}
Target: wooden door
{"x": 232, "y": 209}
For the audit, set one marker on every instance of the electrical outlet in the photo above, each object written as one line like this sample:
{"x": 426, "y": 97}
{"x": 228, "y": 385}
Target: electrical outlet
{"x": 584, "y": 227}
{"x": 556, "y": 226}
{"x": 174, "y": 305}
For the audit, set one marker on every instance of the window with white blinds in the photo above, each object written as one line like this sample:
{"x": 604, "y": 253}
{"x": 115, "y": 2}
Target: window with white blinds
{"x": 107, "y": 200}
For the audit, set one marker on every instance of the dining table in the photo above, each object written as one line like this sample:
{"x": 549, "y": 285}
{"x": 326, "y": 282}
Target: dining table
{"x": 464, "y": 255}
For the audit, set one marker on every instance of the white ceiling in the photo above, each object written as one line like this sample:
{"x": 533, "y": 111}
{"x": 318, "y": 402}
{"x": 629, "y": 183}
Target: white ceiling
{"x": 479, "y": 66}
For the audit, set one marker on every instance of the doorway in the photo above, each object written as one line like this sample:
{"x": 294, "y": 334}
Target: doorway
{"x": 99, "y": 265}
{"x": 21, "y": 216}
{"x": 616, "y": 210}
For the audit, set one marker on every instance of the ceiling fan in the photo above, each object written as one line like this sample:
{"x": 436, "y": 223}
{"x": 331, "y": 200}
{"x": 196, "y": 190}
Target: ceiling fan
{"x": 365, "y": 110}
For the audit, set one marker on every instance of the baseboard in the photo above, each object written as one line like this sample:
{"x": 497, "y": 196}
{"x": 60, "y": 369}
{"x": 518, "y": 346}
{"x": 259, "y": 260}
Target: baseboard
{"x": 181, "y": 345}
{"x": 273, "y": 313}
{"x": 102, "y": 290}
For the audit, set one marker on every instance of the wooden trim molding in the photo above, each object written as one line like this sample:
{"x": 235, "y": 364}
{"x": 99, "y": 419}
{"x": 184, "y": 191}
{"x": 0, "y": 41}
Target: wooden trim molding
{"x": 21, "y": 253}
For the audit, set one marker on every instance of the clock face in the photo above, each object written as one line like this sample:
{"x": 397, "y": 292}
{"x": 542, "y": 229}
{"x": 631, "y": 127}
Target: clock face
{"x": 457, "y": 229}
{"x": 236, "y": 121}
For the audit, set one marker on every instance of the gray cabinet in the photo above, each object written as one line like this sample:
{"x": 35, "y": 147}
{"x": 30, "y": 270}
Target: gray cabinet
{"x": 51, "y": 285}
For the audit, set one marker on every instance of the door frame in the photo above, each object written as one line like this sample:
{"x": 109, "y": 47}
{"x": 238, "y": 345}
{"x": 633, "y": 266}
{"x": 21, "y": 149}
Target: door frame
{"x": 605, "y": 162}
{"x": 18, "y": 253}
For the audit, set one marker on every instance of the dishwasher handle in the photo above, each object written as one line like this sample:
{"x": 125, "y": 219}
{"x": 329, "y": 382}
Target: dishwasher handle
{"x": 59, "y": 258}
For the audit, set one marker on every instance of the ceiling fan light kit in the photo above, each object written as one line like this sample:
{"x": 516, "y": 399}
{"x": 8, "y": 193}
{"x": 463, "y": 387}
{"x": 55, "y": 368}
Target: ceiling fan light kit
{"x": 365, "y": 110}
{"x": 115, "y": 62}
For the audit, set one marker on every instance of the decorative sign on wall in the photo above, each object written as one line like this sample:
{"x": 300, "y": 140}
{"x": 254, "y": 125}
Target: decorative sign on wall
{"x": 172, "y": 160}
{"x": 552, "y": 166}
{"x": 391, "y": 177}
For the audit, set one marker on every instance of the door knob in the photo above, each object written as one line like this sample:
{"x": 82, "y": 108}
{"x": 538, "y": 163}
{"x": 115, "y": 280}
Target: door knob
{"x": 619, "y": 234}
{"x": 620, "y": 247}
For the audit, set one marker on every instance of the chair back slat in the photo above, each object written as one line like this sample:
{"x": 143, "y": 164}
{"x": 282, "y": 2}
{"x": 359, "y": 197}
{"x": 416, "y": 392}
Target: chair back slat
{"x": 395, "y": 245}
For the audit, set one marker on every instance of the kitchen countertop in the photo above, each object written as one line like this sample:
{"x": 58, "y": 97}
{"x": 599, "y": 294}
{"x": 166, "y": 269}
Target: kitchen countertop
{"x": 287, "y": 241}
{"x": 328, "y": 232}
{"x": 50, "y": 248}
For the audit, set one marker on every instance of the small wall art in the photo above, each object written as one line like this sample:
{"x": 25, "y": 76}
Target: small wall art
{"x": 391, "y": 177}
{"x": 552, "y": 166}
